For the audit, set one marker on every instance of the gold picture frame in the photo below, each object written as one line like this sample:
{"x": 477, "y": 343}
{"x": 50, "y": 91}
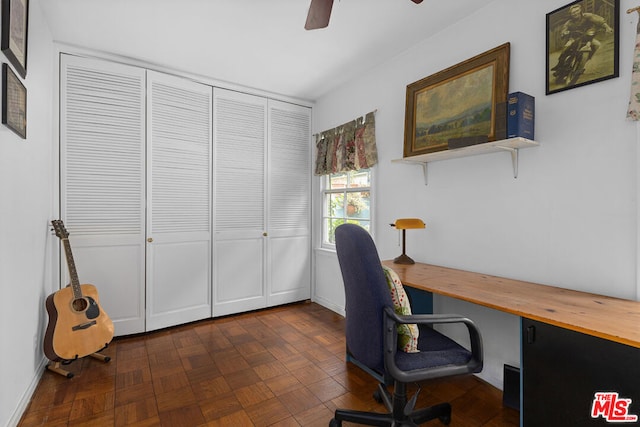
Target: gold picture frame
{"x": 14, "y": 102}
{"x": 462, "y": 105}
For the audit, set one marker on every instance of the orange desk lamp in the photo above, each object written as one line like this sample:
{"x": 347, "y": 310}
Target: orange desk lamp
{"x": 405, "y": 224}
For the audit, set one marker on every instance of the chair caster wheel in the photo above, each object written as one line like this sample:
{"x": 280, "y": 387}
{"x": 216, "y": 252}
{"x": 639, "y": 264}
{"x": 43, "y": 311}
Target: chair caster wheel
{"x": 445, "y": 419}
{"x": 335, "y": 423}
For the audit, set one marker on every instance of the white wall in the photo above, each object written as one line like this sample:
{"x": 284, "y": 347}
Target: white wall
{"x": 26, "y": 188}
{"x": 569, "y": 219}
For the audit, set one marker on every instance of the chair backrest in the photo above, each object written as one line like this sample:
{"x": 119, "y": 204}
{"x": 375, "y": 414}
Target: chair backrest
{"x": 366, "y": 294}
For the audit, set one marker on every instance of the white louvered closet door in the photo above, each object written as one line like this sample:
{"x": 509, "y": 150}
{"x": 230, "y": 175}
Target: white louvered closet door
{"x": 102, "y": 155}
{"x": 178, "y": 200}
{"x": 289, "y": 203}
{"x": 240, "y": 140}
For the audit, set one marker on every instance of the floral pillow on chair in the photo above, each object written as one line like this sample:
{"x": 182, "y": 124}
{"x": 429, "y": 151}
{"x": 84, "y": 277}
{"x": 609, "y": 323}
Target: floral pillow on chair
{"x": 407, "y": 333}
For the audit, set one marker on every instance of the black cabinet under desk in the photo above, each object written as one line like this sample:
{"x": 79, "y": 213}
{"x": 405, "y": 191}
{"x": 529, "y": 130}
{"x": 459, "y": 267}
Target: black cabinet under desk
{"x": 573, "y": 379}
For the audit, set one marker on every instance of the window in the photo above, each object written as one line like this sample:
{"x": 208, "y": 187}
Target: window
{"x": 346, "y": 198}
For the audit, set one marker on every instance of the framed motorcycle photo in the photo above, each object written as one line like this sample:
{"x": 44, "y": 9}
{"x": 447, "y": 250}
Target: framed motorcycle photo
{"x": 582, "y": 44}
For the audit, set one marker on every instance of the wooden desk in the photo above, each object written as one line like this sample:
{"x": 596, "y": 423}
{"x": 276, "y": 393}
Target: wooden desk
{"x": 605, "y": 317}
{"x": 574, "y": 345}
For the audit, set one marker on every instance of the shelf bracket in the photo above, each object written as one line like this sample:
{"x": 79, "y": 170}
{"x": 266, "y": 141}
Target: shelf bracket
{"x": 424, "y": 168}
{"x": 424, "y": 172}
{"x": 514, "y": 158}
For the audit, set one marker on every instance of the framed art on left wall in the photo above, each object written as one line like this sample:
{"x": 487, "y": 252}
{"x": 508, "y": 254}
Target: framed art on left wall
{"x": 15, "y": 19}
{"x": 14, "y": 102}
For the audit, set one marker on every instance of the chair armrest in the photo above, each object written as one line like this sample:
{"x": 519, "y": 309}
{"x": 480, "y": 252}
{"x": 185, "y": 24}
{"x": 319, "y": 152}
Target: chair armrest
{"x": 433, "y": 319}
{"x": 392, "y": 319}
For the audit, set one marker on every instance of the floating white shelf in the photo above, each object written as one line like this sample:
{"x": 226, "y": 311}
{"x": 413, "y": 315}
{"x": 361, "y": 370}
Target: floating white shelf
{"x": 511, "y": 145}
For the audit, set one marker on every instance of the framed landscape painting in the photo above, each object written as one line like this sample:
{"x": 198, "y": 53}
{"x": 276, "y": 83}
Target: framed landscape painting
{"x": 461, "y": 105}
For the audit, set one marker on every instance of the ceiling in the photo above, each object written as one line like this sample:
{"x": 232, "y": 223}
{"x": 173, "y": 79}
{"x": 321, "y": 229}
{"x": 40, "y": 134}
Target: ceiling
{"x": 261, "y": 44}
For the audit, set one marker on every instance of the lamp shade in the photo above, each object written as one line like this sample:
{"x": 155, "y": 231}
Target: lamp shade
{"x": 409, "y": 223}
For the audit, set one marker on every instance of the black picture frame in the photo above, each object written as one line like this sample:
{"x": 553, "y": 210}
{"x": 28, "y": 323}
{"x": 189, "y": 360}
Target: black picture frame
{"x": 15, "y": 24}
{"x": 14, "y": 102}
{"x": 585, "y": 50}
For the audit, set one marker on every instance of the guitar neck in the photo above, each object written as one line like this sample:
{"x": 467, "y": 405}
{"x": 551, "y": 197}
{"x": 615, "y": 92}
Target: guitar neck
{"x": 73, "y": 273}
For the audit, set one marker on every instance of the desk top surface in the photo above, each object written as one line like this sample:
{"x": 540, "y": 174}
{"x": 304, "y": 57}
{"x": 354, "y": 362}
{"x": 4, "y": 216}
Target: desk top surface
{"x": 610, "y": 318}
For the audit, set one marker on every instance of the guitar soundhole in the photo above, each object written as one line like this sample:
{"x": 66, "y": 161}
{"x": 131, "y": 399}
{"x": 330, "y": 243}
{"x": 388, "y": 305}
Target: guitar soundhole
{"x": 79, "y": 304}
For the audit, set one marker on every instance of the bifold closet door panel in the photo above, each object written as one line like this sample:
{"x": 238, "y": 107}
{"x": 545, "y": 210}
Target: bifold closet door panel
{"x": 289, "y": 203}
{"x": 240, "y": 141}
{"x": 178, "y": 200}
{"x": 102, "y": 156}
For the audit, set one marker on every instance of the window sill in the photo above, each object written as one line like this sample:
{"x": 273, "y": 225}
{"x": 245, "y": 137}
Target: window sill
{"x": 326, "y": 250}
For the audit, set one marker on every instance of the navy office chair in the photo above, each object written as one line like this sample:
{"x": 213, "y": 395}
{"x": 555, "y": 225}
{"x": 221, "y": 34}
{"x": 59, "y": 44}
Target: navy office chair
{"x": 372, "y": 339}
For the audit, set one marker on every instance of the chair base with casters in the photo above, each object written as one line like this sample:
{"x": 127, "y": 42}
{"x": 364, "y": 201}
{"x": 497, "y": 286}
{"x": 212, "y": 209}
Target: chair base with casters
{"x": 398, "y": 415}
{"x": 372, "y": 339}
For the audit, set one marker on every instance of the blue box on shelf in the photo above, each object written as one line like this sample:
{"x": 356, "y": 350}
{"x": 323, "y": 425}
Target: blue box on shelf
{"x": 520, "y": 115}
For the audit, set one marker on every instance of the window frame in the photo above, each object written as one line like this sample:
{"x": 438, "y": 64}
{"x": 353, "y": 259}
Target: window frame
{"x": 325, "y": 191}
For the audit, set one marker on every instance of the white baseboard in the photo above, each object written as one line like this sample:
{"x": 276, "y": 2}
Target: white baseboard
{"x": 26, "y": 397}
{"x": 328, "y": 304}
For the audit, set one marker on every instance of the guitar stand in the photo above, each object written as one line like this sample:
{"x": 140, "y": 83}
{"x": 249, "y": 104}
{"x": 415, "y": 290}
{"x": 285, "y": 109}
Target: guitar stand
{"x": 56, "y": 366}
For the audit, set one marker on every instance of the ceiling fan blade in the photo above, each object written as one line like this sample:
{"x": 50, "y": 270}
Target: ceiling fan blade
{"x": 319, "y": 14}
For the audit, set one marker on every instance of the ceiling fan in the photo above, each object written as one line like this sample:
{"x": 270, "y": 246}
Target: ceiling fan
{"x": 320, "y": 12}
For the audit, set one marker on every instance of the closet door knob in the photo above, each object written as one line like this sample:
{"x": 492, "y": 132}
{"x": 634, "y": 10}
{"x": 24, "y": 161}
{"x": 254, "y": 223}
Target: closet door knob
{"x": 265, "y": 234}
{"x": 150, "y": 239}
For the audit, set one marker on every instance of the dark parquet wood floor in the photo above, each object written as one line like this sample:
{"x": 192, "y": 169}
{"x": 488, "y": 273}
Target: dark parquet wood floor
{"x": 277, "y": 367}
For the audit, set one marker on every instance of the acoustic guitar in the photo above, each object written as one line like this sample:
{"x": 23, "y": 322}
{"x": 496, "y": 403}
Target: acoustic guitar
{"x": 78, "y": 326}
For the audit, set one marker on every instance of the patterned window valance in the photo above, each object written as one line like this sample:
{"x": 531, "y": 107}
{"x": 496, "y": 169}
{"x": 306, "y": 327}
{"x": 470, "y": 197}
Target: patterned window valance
{"x": 348, "y": 147}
